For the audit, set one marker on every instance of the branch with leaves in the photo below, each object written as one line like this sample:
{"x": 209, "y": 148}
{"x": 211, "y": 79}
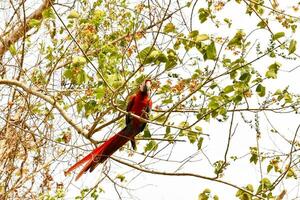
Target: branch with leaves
{"x": 14, "y": 35}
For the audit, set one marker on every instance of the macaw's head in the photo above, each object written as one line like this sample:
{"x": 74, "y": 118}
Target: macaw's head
{"x": 145, "y": 87}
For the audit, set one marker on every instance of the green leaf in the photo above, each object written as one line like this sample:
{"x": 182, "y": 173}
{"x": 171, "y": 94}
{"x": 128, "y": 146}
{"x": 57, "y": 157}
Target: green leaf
{"x": 233, "y": 74}
{"x": 172, "y": 59}
{"x": 177, "y": 44}
{"x": 147, "y": 133}
{"x": 261, "y": 90}
{"x": 245, "y": 77}
{"x": 291, "y": 173}
{"x": 68, "y": 74}
{"x": 269, "y": 168}
{"x": 170, "y": 64}
{"x": 272, "y": 54}
{"x": 73, "y": 14}
{"x": 272, "y": 70}
{"x": 278, "y": 92}
{"x": 203, "y": 14}
{"x": 287, "y": 98}
{"x": 211, "y": 52}
{"x": 201, "y": 37}
{"x": 98, "y": 17}
{"x": 121, "y": 177}
{"x": 95, "y": 193}
{"x": 213, "y": 85}
{"x": 213, "y": 104}
{"x": 34, "y": 23}
{"x": 161, "y": 118}
{"x": 79, "y": 106}
{"x": 254, "y": 155}
{"x": 292, "y": 47}
{"x": 89, "y": 107}
{"x": 234, "y": 158}
{"x": 168, "y": 134}
{"x": 60, "y": 140}
{"x": 222, "y": 111}
{"x": 200, "y": 142}
{"x": 237, "y": 40}
{"x": 228, "y": 21}
{"x": 168, "y": 130}
{"x": 215, "y": 197}
{"x": 167, "y": 101}
{"x": 149, "y": 55}
{"x": 48, "y": 14}
{"x": 78, "y": 60}
{"x": 82, "y": 77}
{"x": 192, "y": 136}
{"x": 98, "y": 3}
{"x": 250, "y": 188}
{"x": 13, "y": 50}
{"x": 198, "y": 128}
{"x": 278, "y": 35}
{"x": 169, "y": 28}
{"x": 228, "y": 89}
{"x": 193, "y": 34}
{"x": 145, "y": 52}
{"x": 237, "y": 99}
{"x": 100, "y": 92}
{"x": 262, "y": 24}
{"x": 220, "y": 166}
{"x": 161, "y": 57}
{"x": 99, "y": 14}
{"x": 271, "y": 74}
{"x": 266, "y": 182}
{"x": 183, "y": 124}
{"x": 294, "y": 28}
{"x": 151, "y": 146}
{"x": 205, "y": 194}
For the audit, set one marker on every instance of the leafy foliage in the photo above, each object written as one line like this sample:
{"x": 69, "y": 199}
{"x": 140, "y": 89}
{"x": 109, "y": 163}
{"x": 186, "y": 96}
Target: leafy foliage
{"x": 68, "y": 74}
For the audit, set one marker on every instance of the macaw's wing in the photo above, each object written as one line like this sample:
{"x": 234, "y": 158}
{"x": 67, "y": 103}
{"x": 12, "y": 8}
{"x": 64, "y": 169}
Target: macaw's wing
{"x": 145, "y": 116}
{"x": 143, "y": 124}
{"x": 129, "y": 108}
{"x": 128, "y": 118}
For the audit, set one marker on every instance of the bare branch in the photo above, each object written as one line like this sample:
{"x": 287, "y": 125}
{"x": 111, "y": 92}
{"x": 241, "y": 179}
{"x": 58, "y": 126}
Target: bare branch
{"x": 18, "y": 32}
{"x": 48, "y": 99}
{"x": 150, "y": 171}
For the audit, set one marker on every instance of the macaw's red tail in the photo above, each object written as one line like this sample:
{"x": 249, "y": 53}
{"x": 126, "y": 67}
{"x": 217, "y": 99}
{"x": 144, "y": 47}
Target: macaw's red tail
{"x": 101, "y": 153}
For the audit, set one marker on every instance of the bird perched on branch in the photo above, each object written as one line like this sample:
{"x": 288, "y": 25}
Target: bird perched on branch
{"x": 139, "y": 104}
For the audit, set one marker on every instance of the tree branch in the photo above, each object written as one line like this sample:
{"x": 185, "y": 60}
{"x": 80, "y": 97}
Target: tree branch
{"x": 48, "y": 99}
{"x": 150, "y": 171}
{"x": 18, "y": 32}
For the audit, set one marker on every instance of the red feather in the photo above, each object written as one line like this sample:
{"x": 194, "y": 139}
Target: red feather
{"x": 138, "y": 104}
{"x": 100, "y": 154}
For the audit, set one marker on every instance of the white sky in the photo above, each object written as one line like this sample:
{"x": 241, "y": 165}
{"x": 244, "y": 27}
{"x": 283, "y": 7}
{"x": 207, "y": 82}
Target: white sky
{"x": 149, "y": 186}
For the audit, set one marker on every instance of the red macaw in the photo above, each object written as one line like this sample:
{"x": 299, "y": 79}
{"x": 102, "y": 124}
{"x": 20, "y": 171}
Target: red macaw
{"x": 139, "y": 104}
